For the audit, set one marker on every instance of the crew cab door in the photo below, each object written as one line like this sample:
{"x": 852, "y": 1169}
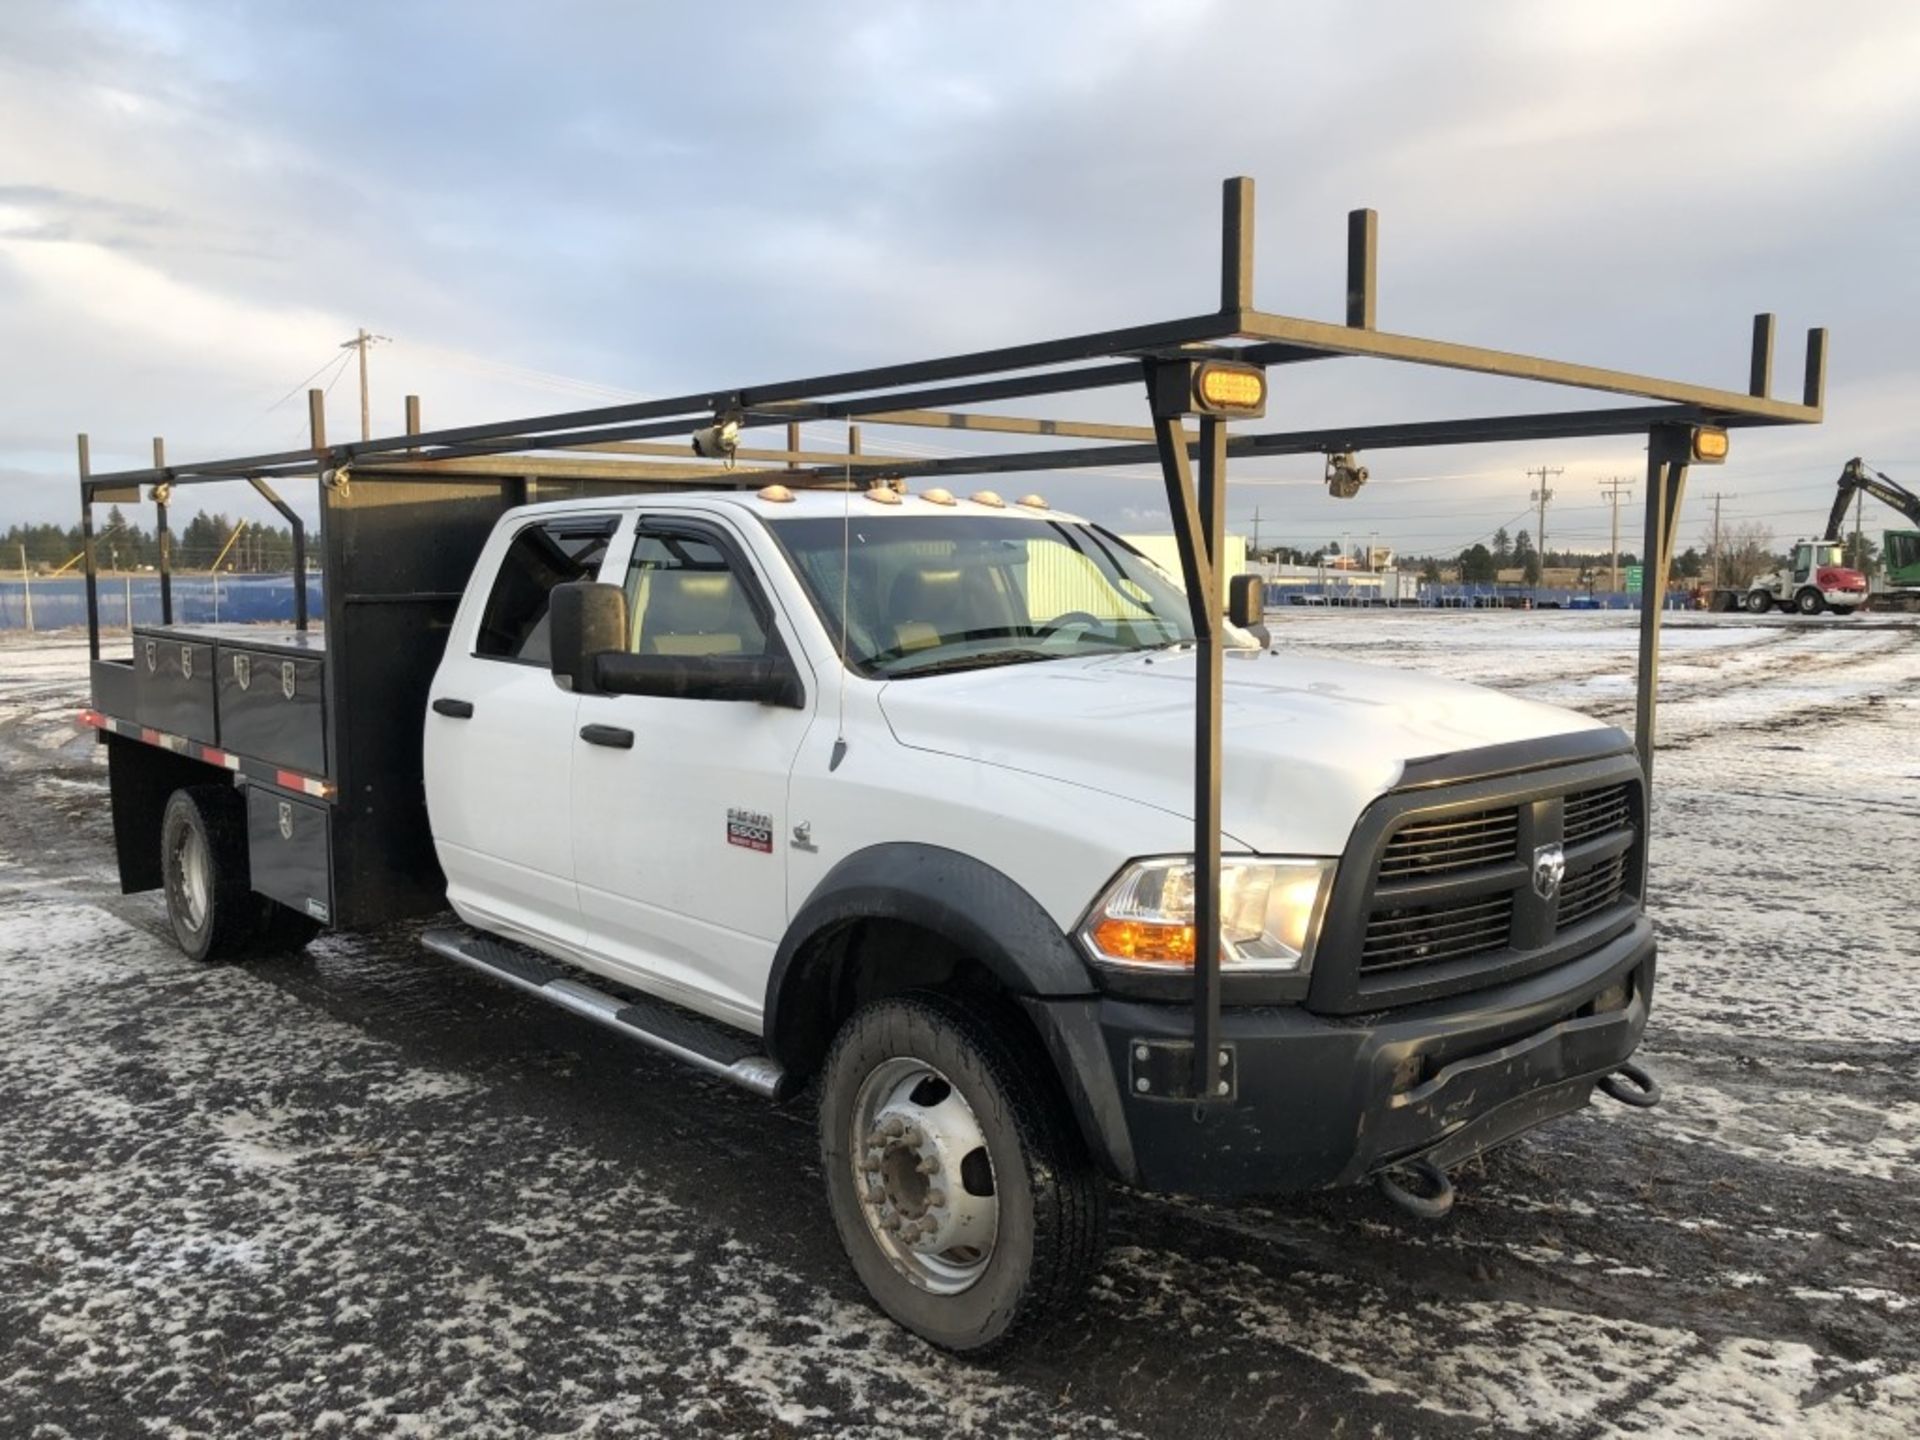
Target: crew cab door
{"x": 500, "y": 740}
{"x": 680, "y": 805}
{"x": 1802, "y": 564}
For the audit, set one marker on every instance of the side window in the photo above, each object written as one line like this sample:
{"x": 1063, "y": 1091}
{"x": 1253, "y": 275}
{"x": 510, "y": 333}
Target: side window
{"x": 545, "y": 554}
{"x": 683, "y": 598}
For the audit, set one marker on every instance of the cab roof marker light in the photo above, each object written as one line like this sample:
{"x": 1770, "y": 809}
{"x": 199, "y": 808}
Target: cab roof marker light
{"x": 989, "y": 498}
{"x": 1031, "y": 502}
{"x": 883, "y": 494}
{"x": 775, "y": 494}
{"x": 937, "y": 496}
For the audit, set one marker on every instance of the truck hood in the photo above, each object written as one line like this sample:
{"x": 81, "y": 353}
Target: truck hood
{"x": 1309, "y": 741}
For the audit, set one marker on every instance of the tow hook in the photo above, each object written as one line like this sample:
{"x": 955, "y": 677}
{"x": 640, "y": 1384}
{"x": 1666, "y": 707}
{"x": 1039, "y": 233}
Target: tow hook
{"x": 1630, "y": 1084}
{"x": 1431, "y": 1201}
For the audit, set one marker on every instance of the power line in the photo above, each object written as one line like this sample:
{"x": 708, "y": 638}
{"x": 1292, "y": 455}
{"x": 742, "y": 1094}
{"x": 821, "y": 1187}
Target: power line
{"x": 330, "y": 360}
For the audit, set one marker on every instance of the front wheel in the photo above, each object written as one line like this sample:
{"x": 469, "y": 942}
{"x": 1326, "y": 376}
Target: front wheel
{"x": 1758, "y": 602}
{"x": 1808, "y": 602}
{"x": 958, "y": 1183}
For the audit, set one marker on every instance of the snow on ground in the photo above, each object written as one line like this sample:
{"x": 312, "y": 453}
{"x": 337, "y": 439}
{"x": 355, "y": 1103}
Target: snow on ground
{"x": 360, "y": 1193}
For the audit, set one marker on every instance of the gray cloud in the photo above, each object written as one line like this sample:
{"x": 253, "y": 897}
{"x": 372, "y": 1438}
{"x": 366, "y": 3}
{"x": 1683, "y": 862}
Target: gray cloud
{"x": 643, "y": 199}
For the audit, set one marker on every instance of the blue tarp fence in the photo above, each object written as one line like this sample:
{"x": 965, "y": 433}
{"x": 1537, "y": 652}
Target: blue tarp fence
{"x": 1470, "y": 597}
{"x": 197, "y": 599}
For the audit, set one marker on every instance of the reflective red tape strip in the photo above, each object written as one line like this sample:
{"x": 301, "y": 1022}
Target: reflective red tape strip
{"x": 291, "y": 781}
{"x": 151, "y": 737}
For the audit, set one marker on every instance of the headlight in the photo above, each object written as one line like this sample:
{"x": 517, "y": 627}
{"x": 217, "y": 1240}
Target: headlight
{"x": 1269, "y": 915}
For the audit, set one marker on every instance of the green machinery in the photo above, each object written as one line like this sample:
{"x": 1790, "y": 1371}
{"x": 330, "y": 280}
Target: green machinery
{"x": 1900, "y": 552}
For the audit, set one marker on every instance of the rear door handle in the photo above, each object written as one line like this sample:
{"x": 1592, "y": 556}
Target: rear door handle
{"x": 612, "y": 736}
{"x": 453, "y": 709}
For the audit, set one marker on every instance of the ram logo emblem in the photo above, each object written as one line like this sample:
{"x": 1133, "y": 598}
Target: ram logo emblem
{"x": 286, "y": 678}
{"x": 286, "y": 820}
{"x": 186, "y": 662}
{"x": 1549, "y": 869}
{"x": 242, "y": 671}
{"x": 153, "y": 656}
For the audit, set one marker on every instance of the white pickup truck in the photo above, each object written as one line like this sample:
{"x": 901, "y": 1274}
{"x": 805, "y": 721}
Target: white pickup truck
{"x": 889, "y": 792}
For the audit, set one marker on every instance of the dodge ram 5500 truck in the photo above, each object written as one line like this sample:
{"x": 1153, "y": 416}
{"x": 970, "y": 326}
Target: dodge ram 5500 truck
{"x": 890, "y": 792}
{"x": 960, "y": 812}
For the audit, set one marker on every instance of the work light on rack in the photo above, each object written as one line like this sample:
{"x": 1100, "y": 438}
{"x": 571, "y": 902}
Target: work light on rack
{"x": 1345, "y": 474}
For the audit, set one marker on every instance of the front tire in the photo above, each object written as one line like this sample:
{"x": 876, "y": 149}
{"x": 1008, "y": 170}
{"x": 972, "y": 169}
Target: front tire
{"x": 1808, "y": 602}
{"x": 1758, "y": 602}
{"x": 961, "y": 1189}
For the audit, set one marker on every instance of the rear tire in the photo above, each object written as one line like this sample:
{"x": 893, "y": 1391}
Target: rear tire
{"x": 1758, "y": 602}
{"x": 1808, "y": 602}
{"x": 978, "y": 1214}
{"x": 203, "y": 865}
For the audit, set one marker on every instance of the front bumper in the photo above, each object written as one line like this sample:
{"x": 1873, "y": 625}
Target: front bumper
{"x": 1322, "y": 1100}
{"x": 1844, "y": 599}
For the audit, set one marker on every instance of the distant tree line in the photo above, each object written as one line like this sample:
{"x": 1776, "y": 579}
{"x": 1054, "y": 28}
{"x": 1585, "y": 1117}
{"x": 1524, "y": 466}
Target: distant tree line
{"x": 121, "y": 544}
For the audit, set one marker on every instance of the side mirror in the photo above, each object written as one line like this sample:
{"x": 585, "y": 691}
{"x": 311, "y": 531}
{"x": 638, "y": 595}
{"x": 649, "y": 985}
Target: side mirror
{"x": 764, "y": 679}
{"x": 1247, "y": 605}
{"x": 585, "y": 620}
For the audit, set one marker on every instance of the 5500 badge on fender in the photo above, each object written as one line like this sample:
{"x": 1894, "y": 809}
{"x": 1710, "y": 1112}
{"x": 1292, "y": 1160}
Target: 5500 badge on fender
{"x": 750, "y": 830}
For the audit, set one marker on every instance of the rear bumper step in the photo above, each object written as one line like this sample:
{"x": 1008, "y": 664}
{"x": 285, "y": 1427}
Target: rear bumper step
{"x": 669, "y": 1029}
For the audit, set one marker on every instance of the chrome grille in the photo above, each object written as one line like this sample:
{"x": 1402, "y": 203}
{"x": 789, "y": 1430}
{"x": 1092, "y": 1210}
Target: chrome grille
{"x": 1462, "y": 842}
{"x": 1429, "y": 934}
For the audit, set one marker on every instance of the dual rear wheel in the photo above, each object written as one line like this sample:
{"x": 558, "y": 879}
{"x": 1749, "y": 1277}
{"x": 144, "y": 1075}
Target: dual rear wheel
{"x": 210, "y": 901}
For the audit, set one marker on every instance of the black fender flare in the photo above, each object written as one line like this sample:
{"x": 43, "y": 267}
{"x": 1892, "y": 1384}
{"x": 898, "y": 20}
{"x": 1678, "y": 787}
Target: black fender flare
{"x": 980, "y": 910}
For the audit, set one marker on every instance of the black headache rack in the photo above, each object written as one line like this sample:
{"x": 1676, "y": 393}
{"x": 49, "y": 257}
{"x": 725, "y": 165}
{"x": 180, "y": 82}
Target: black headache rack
{"x": 403, "y": 518}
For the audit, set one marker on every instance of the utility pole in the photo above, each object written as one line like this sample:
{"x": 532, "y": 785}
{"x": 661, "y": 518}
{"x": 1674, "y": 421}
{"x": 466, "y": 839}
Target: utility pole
{"x": 26, "y": 586}
{"x": 1613, "y": 489}
{"x": 1541, "y": 497}
{"x": 1713, "y": 558}
{"x": 361, "y": 342}
{"x": 1256, "y": 531}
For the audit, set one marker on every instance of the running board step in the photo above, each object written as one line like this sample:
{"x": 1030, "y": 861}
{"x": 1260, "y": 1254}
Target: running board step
{"x": 670, "y": 1029}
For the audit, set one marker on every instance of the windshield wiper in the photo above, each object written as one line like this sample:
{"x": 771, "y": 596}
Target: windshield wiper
{"x": 983, "y": 661}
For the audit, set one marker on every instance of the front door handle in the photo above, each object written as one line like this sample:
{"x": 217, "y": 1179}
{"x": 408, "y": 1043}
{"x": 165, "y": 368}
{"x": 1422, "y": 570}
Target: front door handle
{"x": 612, "y": 736}
{"x": 453, "y": 709}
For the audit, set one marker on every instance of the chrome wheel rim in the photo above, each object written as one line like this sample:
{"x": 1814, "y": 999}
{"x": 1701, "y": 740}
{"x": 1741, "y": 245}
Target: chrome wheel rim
{"x": 192, "y": 878}
{"x": 924, "y": 1176}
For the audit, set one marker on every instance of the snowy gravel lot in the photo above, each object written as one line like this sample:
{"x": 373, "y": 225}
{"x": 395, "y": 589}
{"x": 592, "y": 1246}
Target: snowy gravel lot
{"x": 365, "y": 1194}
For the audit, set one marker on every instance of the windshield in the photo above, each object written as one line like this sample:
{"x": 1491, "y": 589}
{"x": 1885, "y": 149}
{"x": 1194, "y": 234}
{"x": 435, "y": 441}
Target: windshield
{"x": 1826, "y": 555}
{"x": 958, "y": 592}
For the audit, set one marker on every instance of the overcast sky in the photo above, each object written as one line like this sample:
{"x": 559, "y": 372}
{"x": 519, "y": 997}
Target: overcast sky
{"x": 554, "y": 206}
